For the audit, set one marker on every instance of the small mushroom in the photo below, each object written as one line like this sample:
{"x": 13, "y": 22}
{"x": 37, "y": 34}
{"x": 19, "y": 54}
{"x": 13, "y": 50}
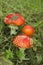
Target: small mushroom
{"x": 28, "y": 30}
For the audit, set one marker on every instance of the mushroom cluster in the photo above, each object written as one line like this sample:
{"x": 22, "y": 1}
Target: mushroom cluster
{"x": 24, "y": 40}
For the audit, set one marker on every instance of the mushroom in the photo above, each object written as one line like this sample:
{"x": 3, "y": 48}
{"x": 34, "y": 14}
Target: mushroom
{"x": 15, "y": 19}
{"x": 22, "y": 42}
{"x": 28, "y": 30}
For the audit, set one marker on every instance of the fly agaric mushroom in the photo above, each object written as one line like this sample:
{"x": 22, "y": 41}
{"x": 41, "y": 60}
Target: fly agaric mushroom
{"x": 28, "y": 30}
{"x": 15, "y": 19}
{"x": 23, "y": 41}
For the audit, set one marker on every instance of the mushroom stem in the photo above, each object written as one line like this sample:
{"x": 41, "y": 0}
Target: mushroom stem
{"x": 13, "y": 29}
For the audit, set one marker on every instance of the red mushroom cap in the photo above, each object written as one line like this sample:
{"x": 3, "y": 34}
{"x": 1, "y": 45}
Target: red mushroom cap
{"x": 23, "y": 41}
{"x": 15, "y": 19}
{"x": 28, "y": 30}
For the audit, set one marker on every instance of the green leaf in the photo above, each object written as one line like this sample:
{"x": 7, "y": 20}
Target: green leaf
{"x": 9, "y": 54}
{"x": 35, "y": 41}
{"x": 21, "y": 54}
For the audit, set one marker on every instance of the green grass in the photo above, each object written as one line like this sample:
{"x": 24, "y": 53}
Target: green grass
{"x": 32, "y": 10}
{"x": 26, "y": 8}
{"x": 22, "y": 6}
